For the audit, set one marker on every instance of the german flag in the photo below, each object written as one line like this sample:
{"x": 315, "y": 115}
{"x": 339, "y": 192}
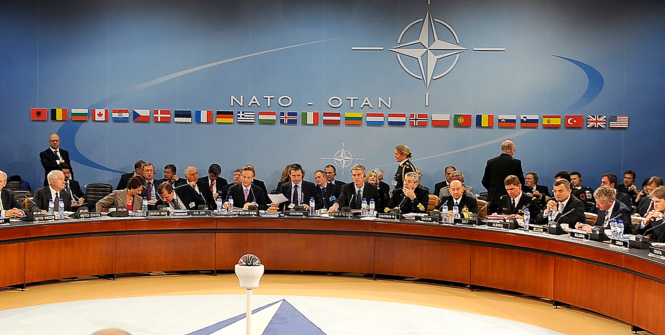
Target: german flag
{"x": 59, "y": 114}
{"x": 224, "y": 117}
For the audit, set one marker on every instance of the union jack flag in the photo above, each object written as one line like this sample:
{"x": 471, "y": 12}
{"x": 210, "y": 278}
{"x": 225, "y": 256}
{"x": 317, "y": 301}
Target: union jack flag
{"x": 596, "y": 121}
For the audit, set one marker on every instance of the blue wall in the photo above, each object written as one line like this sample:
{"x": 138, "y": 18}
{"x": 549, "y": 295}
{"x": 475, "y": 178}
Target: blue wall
{"x": 110, "y": 54}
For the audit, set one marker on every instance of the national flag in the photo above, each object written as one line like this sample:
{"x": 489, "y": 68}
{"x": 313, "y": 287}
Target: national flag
{"x": 395, "y": 119}
{"x": 100, "y": 114}
{"x": 288, "y": 117}
{"x": 507, "y": 121}
{"x": 529, "y": 121}
{"x": 484, "y": 120}
{"x": 120, "y": 115}
{"x": 58, "y": 114}
{"x": 574, "y": 121}
{"x": 462, "y": 120}
{"x": 38, "y": 114}
{"x": 267, "y": 117}
{"x": 204, "y": 116}
{"x": 79, "y": 114}
{"x": 331, "y": 118}
{"x": 375, "y": 119}
{"x": 141, "y": 115}
{"x": 596, "y": 121}
{"x": 309, "y": 117}
{"x": 355, "y": 119}
{"x": 246, "y": 117}
{"x": 440, "y": 120}
{"x": 418, "y": 120}
{"x": 224, "y": 117}
{"x": 619, "y": 121}
{"x": 162, "y": 115}
{"x": 551, "y": 121}
{"x": 182, "y": 116}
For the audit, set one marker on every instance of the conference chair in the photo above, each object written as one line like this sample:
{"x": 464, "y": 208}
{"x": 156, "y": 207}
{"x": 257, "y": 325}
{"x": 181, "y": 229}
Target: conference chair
{"x": 590, "y": 218}
{"x": 482, "y": 208}
{"x": 95, "y": 192}
{"x": 432, "y": 203}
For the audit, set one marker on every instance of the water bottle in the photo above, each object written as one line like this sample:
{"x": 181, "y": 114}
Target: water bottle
{"x": 220, "y": 205}
{"x": 444, "y": 212}
{"x": 229, "y": 210}
{"x": 550, "y": 217}
{"x": 363, "y": 208}
{"x": 312, "y": 207}
{"x": 372, "y": 207}
{"x": 613, "y": 227}
{"x": 51, "y": 206}
{"x": 144, "y": 207}
{"x": 620, "y": 230}
{"x": 61, "y": 210}
{"x": 527, "y": 219}
{"x": 455, "y": 212}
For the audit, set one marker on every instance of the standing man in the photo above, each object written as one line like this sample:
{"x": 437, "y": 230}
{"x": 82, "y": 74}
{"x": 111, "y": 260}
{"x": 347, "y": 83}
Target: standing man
{"x": 331, "y": 172}
{"x": 566, "y": 209}
{"x": 72, "y": 186}
{"x": 329, "y": 191}
{"x": 449, "y": 172}
{"x": 200, "y": 186}
{"x": 54, "y": 190}
{"x": 412, "y": 198}
{"x": 352, "y": 194}
{"x": 496, "y": 171}
{"x": 246, "y": 193}
{"x": 515, "y": 202}
{"x": 9, "y": 207}
{"x": 299, "y": 191}
{"x": 53, "y": 157}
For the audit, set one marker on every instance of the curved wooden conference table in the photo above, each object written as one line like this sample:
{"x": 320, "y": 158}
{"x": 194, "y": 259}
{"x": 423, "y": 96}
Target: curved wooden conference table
{"x": 628, "y": 286}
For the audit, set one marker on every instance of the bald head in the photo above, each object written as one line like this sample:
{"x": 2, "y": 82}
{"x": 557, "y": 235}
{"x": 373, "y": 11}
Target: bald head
{"x": 456, "y": 189}
{"x": 111, "y": 332}
{"x": 508, "y": 147}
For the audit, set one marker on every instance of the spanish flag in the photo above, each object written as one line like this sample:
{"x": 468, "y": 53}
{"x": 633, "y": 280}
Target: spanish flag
{"x": 551, "y": 121}
{"x": 59, "y": 114}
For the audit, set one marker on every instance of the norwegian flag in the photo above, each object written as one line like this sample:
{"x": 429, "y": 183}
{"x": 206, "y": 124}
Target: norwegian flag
{"x": 162, "y": 115}
{"x": 419, "y": 120}
{"x": 596, "y": 121}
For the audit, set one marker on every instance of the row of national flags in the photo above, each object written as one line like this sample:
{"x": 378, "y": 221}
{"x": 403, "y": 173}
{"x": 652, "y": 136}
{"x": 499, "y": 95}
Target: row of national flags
{"x": 332, "y": 118}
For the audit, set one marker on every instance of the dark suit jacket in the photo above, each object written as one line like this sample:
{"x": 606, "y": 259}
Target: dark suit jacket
{"x": 187, "y": 195}
{"x": 619, "y": 211}
{"x": 50, "y": 161}
{"x": 339, "y": 183}
{"x": 255, "y": 195}
{"x": 625, "y": 199}
{"x": 506, "y": 206}
{"x": 545, "y": 195}
{"x": 347, "y": 196}
{"x": 643, "y": 206}
{"x": 623, "y": 189}
{"x": 496, "y": 171}
{"x": 124, "y": 179}
{"x": 75, "y": 187}
{"x": 417, "y": 205}
{"x": 329, "y": 194}
{"x": 262, "y": 185}
{"x": 219, "y": 186}
{"x": 470, "y": 203}
{"x": 156, "y": 183}
{"x": 402, "y": 170}
{"x": 439, "y": 186}
{"x": 204, "y": 189}
{"x": 577, "y": 214}
{"x": 658, "y": 233}
{"x": 9, "y": 200}
{"x": 385, "y": 189}
{"x": 308, "y": 190}
{"x": 42, "y": 197}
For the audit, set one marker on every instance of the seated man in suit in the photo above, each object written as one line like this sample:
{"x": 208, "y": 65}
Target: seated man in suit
{"x": 628, "y": 186}
{"x": 54, "y": 190}
{"x": 9, "y": 207}
{"x": 449, "y": 172}
{"x": 329, "y": 191}
{"x": 566, "y": 208}
{"x": 608, "y": 209}
{"x": 645, "y": 203}
{"x": 532, "y": 189}
{"x": 182, "y": 197}
{"x": 298, "y": 191}
{"x": 200, "y": 186}
{"x": 457, "y": 175}
{"x": 236, "y": 180}
{"x": 331, "y": 172}
{"x": 383, "y": 186}
{"x": 584, "y": 193}
{"x": 352, "y": 194}
{"x": 610, "y": 179}
{"x": 259, "y": 183}
{"x": 515, "y": 202}
{"x": 214, "y": 181}
{"x": 150, "y": 192}
{"x": 170, "y": 175}
{"x": 72, "y": 186}
{"x": 412, "y": 198}
{"x": 138, "y": 171}
{"x": 653, "y": 222}
{"x": 245, "y": 193}
{"x": 459, "y": 197}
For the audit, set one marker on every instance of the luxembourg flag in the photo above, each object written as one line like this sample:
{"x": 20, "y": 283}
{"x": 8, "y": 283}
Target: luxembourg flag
{"x": 203, "y": 116}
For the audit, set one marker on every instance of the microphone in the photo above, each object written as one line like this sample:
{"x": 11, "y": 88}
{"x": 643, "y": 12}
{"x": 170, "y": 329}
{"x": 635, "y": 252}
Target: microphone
{"x": 351, "y": 201}
{"x": 403, "y": 199}
{"x": 643, "y": 235}
{"x": 485, "y": 206}
{"x": 562, "y": 215}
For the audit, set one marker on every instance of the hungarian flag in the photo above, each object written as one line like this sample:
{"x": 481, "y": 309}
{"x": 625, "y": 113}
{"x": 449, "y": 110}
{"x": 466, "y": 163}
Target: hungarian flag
{"x": 161, "y": 115}
{"x": 395, "y": 119}
{"x": 574, "y": 121}
{"x": 529, "y": 121}
{"x": 182, "y": 116}
{"x": 120, "y": 115}
{"x": 288, "y": 117}
{"x": 440, "y": 120}
{"x": 485, "y": 121}
{"x": 59, "y": 114}
{"x": 100, "y": 115}
{"x": 203, "y": 116}
{"x": 331, "y": 118}
{"x": 141, "y": 115}
{"x": 79, "y": 114}
{"x": 38, "y": 114}
{"x": 462, "y": 120}
{"x": 224, "y": 117}
{"x": 551, "y": 121}
{"x": 507, "y": 121}
{"x": 267, "y": 117}
{"x": 309, "y": 117}
{"x": 374, "y": 119}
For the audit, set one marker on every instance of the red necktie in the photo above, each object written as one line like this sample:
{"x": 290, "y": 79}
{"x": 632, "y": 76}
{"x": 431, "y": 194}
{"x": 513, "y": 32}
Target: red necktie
{"x": 150, "y": 191}
{"x": 211, "y": 189}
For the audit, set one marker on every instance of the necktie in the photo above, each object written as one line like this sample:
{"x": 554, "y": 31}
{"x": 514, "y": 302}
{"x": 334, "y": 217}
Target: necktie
{"x": 67, "y": 187}
{"x": 246, "y": 193}
{"x": 56, "y": 202}
{"x": 607, "y": 217}
{"x": 323, "y": 192}
{"x": 212, "y": 189}
{"x": 513, "y": 200}
{"x": 149, "y": 190}
{"x": 57, "y": 153}
{"x": 175, "y": 203}
{"x": 359, "y": 199}
{"x": 294, "y": 200}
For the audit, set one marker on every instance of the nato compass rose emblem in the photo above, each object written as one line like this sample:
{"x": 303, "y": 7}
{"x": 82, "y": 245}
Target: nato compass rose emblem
{"x": 342, "y": 158}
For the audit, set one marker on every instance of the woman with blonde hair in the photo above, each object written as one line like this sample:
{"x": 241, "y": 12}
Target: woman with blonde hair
{"x": 402, "y": 155}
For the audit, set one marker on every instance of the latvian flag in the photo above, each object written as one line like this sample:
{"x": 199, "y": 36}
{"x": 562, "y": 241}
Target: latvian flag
{"x": 120, "y": 115}
{"x": 619, "y": 121}
{"x": 100, "y": 115}
{"x": 354, "y": 119}
{"x": 141, "y": 115}
{"x": 288, "y": 117}
{"x": 267, "y": 117}
{"x": 182, "y": 116}
{"x": 440, "y": 120}
{"x": 507, "y": 121}
{"x": 331, "y": 118}
{"x": 375, "y": 119}
{"x": 419, "y": 120}
{"x": 59, "y": 114}
{"x": 529, "y": 121}
{"x": 551, "y": 121}
{"x": 79, "y": 114}
{"x": 395, "y": 119}
{"x": 596, "y": 121}
{"x": 203, "y": 116}
{"x": 246, "y": 117}
{"x": 310, "y": 117}
{"x": 38, "y": 114}
{"x": 485, "y": 121}
{"x": 224, "y": 117}
{"x": 162, "y": 115}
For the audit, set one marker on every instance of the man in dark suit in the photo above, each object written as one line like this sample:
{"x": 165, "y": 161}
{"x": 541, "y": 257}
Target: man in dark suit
{"x": 200, "y": 186}
{"x": 515, "y": 202}
{"x": 245, "y": 193}
{"x": 610, "y": 179}
{"x": 170, "y": 175}
{"x": 584, "y": 193}
{"x": 566, "y": 208}
{"x": 411, "y": 198}
{"x": 54, "y": 190}
{"x": 299, "y": 191}
{"x": 72, "y": 186}
{"x": 138, "y": 171}
{"x": 182, "y": 197}
{"x": 532, "y": 189}
{"x": 352, "y": 194}
{"x": 383, "y": 186}
{"x": 329, "y": 191}
{"x": 259, "y": 183}
{"x": 438, "y": 186}
{"x": 628, "y": 186}
{"x": 9, "y": 207}
{"x": 331, "y": 172}
{"x": 214, "y": 181}
{"x": 608, "y": 209}
{"x": 654, "y": 219}
{"x": 645, "y": 203}
{"x": 150, "y": 192}
{"x": 458, "y": 197}
{"x": 237, "y": 176}
{"x": 496, "y": 171}
{"x": 53, "y": 157}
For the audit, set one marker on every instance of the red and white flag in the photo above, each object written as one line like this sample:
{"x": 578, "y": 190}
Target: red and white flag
{"x": 162, "y": 115}
{"x": 100, "y": 115}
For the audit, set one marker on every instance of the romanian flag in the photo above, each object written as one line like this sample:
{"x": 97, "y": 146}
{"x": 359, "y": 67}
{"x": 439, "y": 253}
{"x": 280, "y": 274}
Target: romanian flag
{"x": 309, "y": 117}
{"x": 485, "y": 121}
{"x": 224, "y": 117}
{"x": 462, "y": 120}
{"x": 551, "y": 121}
{"x": 355, "y": 119}
{"x": 59, "y": 114}
{"x": 38, "y": 114}
{"x": 79, "y": 114}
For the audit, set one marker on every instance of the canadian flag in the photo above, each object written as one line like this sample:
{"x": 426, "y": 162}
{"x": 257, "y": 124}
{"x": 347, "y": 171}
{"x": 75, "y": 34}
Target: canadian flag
{"x": 100, "y": 115}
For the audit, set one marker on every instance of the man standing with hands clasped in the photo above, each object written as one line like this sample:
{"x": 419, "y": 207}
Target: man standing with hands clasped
{"x": 53, "y": 158}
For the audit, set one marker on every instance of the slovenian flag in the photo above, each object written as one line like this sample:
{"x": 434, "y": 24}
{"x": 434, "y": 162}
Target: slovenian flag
{"x": 529, "y": 121}
{"x": 141, "y": 115}
{"x": 309, "y": 117}
{"x": 203, "y": 116}
{"x": 375, "y": 119}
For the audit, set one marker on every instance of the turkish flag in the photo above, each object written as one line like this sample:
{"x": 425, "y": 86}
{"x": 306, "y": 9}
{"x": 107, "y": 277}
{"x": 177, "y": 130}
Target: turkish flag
{"x": 574, "y": 121}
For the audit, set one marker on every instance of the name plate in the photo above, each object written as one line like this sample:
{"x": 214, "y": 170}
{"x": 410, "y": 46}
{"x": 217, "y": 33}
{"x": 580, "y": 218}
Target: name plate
{"x": 469, "y": 221}
{"x": 502, "y": 225}
{"x": 580, "y": 236}
{"x": 296, "y": 214}
{"x": 339, "y": 214}
{"x": 428, "y": 218}
{"x": 246, "y": 212}
{"x": 158, "y": 213}
{"x": 199, "y": 213}
{"x": 88, "y": 215}
{"x": 598, "y": 235}
{"x": 41, "y": 217}
{"x": 389, "y": 216}
{"x": 657, "y": 251}
{"x": 620, "y": 243}
{"x": 538, "y": 229}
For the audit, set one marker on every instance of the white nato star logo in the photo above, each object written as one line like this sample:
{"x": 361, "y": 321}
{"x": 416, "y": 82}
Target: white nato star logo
{"x": 427, "y": 49}
{"x": 342, "y": 158}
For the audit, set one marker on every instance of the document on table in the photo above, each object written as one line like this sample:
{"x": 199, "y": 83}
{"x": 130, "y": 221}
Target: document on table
{"x": 277, "y": 198}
